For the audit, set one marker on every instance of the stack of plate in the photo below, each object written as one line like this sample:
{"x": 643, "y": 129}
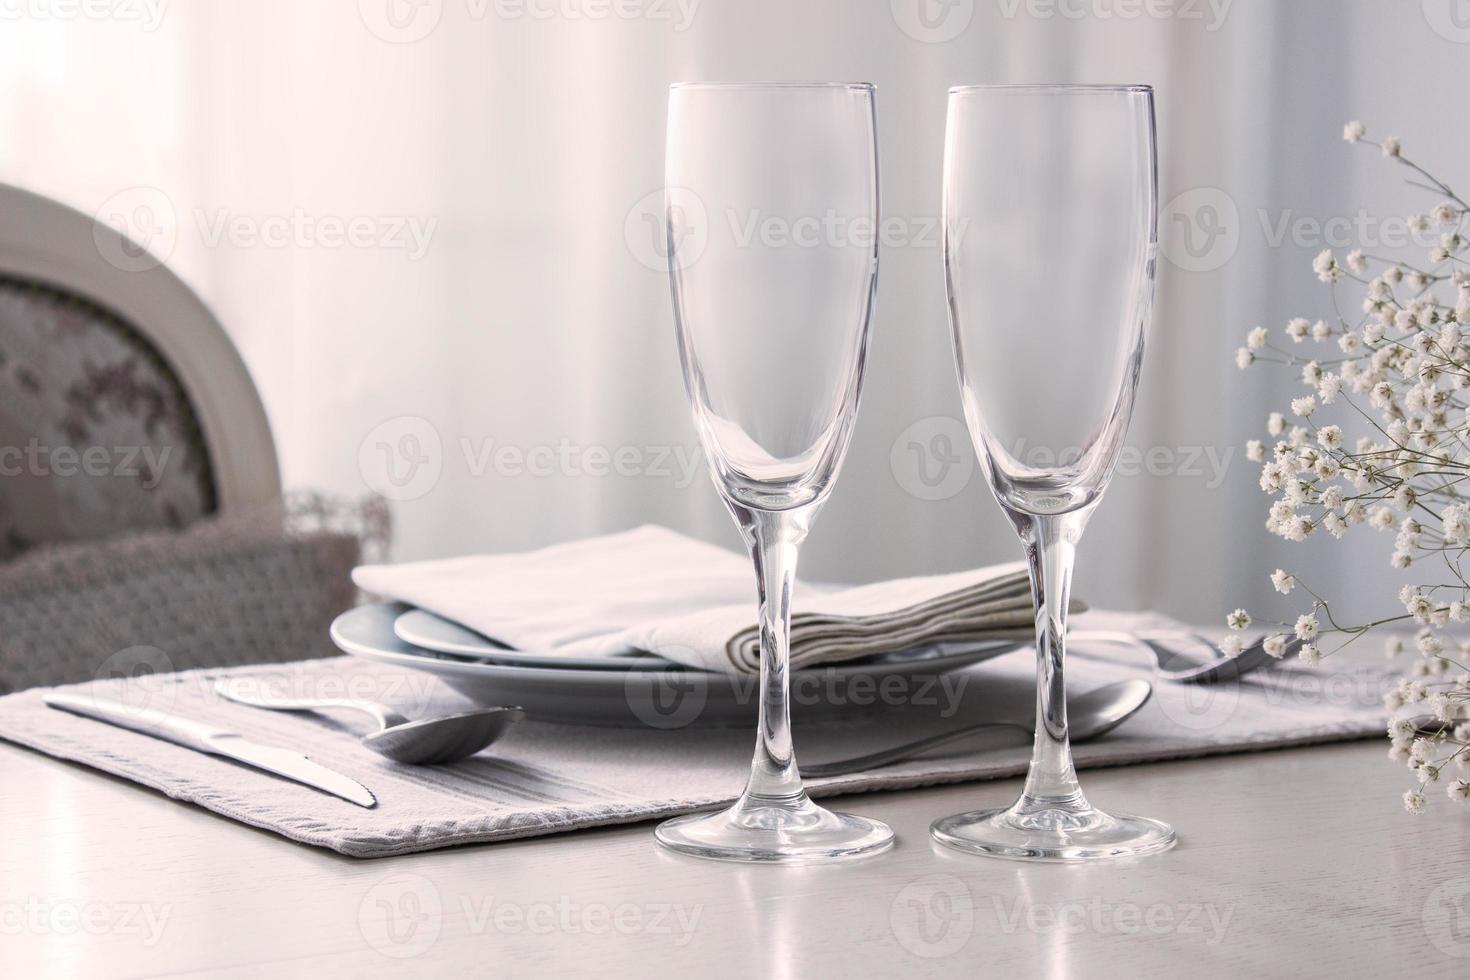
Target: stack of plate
{"x": 642, "y": 690}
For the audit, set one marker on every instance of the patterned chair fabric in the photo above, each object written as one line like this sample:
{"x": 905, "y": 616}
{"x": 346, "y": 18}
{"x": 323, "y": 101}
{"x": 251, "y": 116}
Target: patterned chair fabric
{"x": 97, "y": 436}
{"x": 115, "y": 556}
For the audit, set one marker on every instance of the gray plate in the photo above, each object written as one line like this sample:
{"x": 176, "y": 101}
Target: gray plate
{"x": 662, "y": 699}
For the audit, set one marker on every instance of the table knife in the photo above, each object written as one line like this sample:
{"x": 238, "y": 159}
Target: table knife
{"x": 214, "y": 741}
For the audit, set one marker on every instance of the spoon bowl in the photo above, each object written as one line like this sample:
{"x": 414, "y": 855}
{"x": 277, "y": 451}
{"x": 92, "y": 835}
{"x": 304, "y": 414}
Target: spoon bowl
{"x": 430, "y": 741}
{"x": 425, "y": 742}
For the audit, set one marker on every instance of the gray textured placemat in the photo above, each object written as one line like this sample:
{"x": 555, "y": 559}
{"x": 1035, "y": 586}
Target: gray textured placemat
{"x": 545, "y": 778}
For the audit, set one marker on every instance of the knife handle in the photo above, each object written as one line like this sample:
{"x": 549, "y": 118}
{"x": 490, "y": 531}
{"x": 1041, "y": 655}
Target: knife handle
{"x": 148, "y": 721}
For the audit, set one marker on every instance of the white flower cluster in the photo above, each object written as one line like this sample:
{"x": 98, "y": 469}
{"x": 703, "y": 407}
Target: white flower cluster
{"x": 1399, "y": 369}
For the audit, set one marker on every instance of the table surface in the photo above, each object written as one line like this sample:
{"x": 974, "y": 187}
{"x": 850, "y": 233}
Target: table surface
{"x": 1297, "y": 862}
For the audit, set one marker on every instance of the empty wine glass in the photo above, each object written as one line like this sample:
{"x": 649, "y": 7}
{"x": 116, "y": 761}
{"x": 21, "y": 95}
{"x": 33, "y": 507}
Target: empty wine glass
{"x": 772, "y": 210}
{"x": 1050, "y": 213}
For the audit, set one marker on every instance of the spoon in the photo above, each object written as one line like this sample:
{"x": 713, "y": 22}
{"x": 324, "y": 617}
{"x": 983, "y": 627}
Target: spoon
{"x": 1089, "y": 716}
{"x": 427, "y": 741}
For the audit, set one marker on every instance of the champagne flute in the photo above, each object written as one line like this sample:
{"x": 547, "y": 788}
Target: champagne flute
{"x": 771, "y": 215}
{"x": 1050, "y": 214}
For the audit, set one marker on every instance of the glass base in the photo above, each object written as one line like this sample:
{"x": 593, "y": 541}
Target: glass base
{"x": 1030, "y": 831}
{"x": 775, "y": 833}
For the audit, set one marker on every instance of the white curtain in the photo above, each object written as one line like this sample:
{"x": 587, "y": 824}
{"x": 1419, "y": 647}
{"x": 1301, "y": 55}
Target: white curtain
{"x": 488, "y": 177}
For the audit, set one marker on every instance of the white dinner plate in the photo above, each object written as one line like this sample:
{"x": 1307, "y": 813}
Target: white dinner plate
{"x": 421, "y": 628}
{"x": 664, "y": 699}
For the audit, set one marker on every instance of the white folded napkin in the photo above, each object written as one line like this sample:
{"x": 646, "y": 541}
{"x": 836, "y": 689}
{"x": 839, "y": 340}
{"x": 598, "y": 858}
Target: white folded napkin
{"x": 653, "y": 589}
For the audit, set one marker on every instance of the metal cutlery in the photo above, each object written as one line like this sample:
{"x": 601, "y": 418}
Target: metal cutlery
{"x": 1173, "y": 664}
{"x": 1090, "y": 716}
{"x": 214, "y": 741}
{"x": 428, "y": 741}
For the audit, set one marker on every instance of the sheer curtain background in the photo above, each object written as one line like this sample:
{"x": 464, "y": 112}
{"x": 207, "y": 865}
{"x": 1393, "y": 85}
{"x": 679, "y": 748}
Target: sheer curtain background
{"x": 490, "y": 166}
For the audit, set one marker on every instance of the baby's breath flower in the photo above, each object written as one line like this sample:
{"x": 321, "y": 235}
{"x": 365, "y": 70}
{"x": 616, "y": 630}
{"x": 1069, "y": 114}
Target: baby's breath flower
{"x": 1327, "y": 269}
{"x": 1405, "y": 369}
{"x": 1243, "y": 357}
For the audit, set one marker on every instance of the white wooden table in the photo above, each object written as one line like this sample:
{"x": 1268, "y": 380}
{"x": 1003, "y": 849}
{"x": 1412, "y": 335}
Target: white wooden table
{"x": 1291, "y": 863}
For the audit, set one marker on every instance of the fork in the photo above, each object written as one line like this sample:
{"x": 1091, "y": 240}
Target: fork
{"x": 1172, "y": 665}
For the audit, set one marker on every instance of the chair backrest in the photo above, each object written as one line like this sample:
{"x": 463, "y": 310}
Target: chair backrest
{"x": 123, "y": 404}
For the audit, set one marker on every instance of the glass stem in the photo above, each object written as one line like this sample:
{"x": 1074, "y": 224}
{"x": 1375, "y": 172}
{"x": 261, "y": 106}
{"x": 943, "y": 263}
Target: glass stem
{"x": 774, "y": 538}
{"x": 1051, "y": 549}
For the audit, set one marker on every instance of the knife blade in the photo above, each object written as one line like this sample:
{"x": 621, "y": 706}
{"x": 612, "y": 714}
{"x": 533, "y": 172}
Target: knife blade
{"x": 214, "y": 741}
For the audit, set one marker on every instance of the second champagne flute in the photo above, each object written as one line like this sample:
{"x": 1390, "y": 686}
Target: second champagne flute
{"x": 772, "y": 212}
{"x": 1050, "y": 215}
